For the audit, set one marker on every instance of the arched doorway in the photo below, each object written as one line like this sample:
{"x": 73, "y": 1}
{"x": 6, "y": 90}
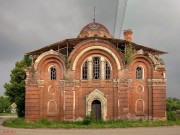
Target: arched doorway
{"x": 96, "y": 109}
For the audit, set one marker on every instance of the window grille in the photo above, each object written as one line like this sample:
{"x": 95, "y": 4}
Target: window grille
{"x": 53, "y": 73}
{"x": 107, "y": 71}
{"x": 85, "y": 71}
{"x": 139, "y": 73}
{"x": 96, "y": 68}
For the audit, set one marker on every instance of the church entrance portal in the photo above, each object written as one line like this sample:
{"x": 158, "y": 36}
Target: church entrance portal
{"x": 96, "y": 109}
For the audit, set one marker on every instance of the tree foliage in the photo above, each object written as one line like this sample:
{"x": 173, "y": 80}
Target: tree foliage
{"x": 5, "y": 104}
{"x": 128, "y": 54}
{"x": 15, "y": 89}
{"x": 172, "y": 104}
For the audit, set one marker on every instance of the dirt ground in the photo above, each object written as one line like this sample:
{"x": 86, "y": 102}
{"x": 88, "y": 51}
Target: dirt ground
{"x": 173, "y": 130}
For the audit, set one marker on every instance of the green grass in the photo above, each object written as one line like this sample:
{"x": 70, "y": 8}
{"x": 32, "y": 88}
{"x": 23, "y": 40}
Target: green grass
{"x": 21, "y": 123}
{"x": 8, "y": 114}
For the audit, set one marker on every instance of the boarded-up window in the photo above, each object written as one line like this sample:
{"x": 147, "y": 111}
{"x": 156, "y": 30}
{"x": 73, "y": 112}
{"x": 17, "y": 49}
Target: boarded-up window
{"x": 139, "y": 106}
{"x": 52, "y": 108}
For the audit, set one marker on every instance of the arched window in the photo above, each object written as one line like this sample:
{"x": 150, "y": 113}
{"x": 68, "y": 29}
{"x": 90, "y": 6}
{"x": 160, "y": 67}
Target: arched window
{"x": 85, "y": 71}
{"x": 139, "y": 72}
{"x": 53, "y": 73}
{"x": 107, "y": 71}
{"x": 96, "y": 68}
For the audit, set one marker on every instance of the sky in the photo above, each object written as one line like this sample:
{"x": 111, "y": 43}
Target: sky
{"x": 26, "y": 25}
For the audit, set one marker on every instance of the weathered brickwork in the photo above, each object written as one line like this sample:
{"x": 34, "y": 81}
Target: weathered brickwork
{"x": 69, "y": 98}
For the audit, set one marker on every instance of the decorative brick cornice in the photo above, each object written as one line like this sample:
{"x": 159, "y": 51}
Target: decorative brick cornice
{"x": 69, "y": 83}
{"x": 122, "y": 82}
{"x": 157, "y": 82}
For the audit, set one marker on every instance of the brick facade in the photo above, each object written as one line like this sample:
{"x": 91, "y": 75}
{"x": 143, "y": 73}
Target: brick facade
{"x": 69, "y": 97}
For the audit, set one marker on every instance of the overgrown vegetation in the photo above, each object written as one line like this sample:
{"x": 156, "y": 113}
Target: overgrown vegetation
{"x": 33, "y": 71}
{"x": 15, "y": 89}
{"x": 128, "y": 54}
{"x": 90, "y": 122}
{"x": 5, "y": 104}
{"x": 172, "y": 105}
{"x": 21, "y": 123}
{"x": 87, "y": 120}
{"x": 8, "y": 114}
{"x": 67, "y": 62}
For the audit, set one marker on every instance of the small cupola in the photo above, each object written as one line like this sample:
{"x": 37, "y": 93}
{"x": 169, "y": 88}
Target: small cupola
{"x": 94, "y": 30}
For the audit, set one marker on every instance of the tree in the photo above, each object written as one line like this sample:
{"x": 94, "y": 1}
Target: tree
{"x": 5, "y": 104}
{"x": 15, "y": 89}
{"x": 172, "y": 104}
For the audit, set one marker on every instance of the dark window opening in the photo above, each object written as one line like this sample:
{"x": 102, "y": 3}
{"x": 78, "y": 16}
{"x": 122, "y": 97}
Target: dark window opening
{"x": 85, "y": 71}
{"x": 139, "y": 73}
{"x": 107, "y": 71}
{"x": 53, "y": 73}
{"x": 96, "y": 68}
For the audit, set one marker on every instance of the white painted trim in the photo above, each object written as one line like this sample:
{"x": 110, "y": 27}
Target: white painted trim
{"x": 43, "y": 55}
{"x": 49, "y": 71}
{"x": 136, "y": 105}
{"x": 74, "y": 104}
{"x": 64, "y": 102}
{"x": 91, "y": 70}
{"x": 157, "y": 80}
{"x": 142, "y": 72}
{"x": 157, "y": 85}
{"x": 51, "y": 67}
{"x": 49, "y": 90}
{"x": 141, "y": 86}
{"x": 55, "y": 106}
{"x": 92, "y": 48}
{"x": 96, "y": 95}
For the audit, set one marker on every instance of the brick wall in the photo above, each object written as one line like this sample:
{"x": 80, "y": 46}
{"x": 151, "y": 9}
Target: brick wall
{"x": 65, "y": 98}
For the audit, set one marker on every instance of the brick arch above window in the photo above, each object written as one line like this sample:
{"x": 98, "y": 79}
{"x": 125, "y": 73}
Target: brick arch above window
{"x": 94, "y": 48}
{"x": 46, "y": 55}
{"x": 141, "y": 70}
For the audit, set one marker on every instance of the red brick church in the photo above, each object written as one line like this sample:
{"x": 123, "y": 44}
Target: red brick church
{"x": 96, "y": 74}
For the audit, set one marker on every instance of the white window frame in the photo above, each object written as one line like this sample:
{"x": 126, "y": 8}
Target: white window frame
{"x": 100, "y": 67}
{"x": 142, "y": 72}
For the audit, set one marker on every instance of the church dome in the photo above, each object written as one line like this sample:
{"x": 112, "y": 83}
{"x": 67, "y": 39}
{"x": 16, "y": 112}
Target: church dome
{"x": 94, "y": 30}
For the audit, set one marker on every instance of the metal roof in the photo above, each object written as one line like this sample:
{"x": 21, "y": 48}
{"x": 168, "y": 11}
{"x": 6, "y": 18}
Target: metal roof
{"x": 118, "y": 43}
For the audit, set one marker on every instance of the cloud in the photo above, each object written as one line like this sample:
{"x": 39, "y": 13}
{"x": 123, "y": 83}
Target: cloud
{"x": 156, "y": 24}
{"x": 29, "y": 25}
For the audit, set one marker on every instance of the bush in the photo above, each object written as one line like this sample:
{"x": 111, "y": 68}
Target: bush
{"x": 87, "y": 120}
{"x": 171, "y": 116}
{"x": 5, "y": 105}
